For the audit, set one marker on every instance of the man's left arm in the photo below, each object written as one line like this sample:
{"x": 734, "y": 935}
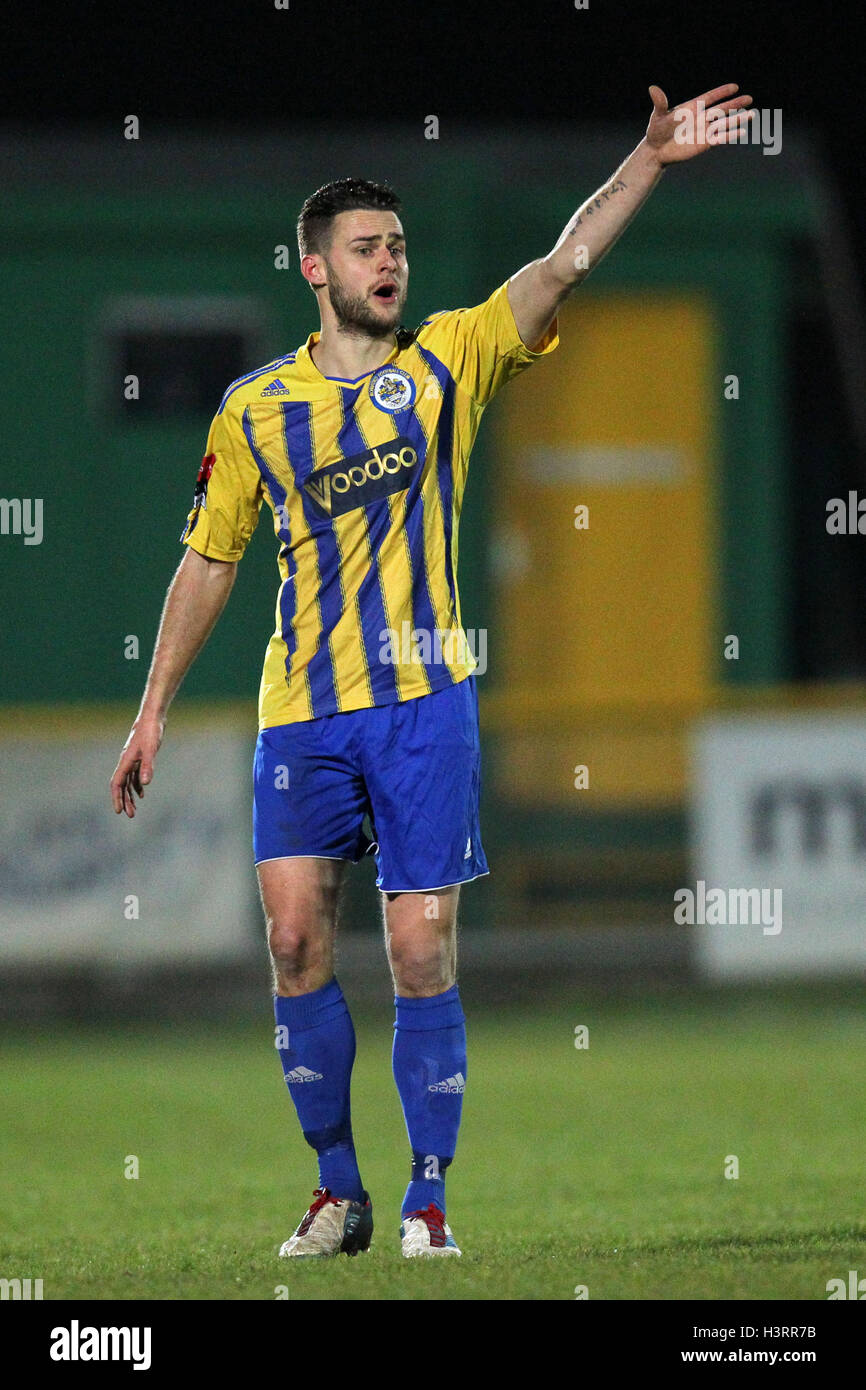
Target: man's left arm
{"x": 536, "y": 292}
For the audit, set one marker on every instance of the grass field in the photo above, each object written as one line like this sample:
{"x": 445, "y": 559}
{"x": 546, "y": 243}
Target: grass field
{"x": 601, "y": 1167}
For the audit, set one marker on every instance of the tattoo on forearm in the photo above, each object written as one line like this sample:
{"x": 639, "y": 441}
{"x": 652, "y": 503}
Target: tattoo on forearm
{"x": 616, "y": 186}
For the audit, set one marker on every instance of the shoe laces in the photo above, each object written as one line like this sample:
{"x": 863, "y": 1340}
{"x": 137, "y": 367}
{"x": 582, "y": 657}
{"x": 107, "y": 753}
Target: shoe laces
{"x": 322, "y": 1196}
{"x": 434, "y": 1220}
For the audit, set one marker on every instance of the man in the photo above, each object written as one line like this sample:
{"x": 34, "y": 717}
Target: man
{"x": 359, "y": 443}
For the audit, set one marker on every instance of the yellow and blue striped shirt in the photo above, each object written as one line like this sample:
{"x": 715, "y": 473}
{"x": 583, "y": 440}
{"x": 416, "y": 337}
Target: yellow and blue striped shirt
{"x": 365, "y": 480}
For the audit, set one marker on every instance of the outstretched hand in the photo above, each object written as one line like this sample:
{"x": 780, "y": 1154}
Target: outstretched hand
{"x": 715, "y": 118}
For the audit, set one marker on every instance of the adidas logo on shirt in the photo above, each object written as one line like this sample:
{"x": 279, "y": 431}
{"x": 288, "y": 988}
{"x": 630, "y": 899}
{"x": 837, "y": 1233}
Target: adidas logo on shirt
{"x": 468, "y": 854}
{"x": 302, "y": 1074}
{"x": 453, "y": 1086}
{"x": 276, "y": 388}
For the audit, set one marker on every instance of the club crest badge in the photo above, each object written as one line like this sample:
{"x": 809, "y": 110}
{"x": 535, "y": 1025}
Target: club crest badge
{"x": 392, "y": 389}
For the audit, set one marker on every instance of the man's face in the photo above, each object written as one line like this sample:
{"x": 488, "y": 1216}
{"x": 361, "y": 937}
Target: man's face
{"x": 367, "y": 272}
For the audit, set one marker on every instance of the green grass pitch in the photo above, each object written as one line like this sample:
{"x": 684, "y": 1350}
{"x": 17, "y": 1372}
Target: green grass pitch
{"x": 602, "y": 1167}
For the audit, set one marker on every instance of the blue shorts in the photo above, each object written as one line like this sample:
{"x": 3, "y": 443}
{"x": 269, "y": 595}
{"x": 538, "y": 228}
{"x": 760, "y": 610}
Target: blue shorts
{"x": 413, "y": 768}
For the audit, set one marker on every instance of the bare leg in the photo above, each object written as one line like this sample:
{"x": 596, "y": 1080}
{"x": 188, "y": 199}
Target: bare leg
{"x": 421, "y": 941}
{"x": 299, "y": 897}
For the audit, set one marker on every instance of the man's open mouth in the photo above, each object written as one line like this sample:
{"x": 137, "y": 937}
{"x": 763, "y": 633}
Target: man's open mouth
{"x": 388, "y": 293}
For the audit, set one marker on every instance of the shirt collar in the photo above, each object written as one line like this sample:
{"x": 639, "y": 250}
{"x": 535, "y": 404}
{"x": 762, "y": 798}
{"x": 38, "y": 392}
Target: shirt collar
{"x": 310, "y": 372}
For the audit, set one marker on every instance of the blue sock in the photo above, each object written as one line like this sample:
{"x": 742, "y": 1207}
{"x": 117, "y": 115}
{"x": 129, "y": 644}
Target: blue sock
{"x": 430, "y": 1071}
{"x": 316, "y": 1042}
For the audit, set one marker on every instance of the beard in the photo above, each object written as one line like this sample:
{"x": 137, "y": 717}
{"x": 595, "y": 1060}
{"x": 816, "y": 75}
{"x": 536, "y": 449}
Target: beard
{"x": 353, "y": 313}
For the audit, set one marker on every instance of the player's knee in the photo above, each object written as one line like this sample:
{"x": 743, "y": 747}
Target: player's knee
{"x": 293, "y": 945}
{"x": 421, "y": 967}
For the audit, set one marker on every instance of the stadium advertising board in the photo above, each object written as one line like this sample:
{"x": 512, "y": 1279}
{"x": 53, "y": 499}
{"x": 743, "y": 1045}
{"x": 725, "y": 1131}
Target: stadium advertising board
{"x": 779, "y": 846}
{"x": 78, "y": 883}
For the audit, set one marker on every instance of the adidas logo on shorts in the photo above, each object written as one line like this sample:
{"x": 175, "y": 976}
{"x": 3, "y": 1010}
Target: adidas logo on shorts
{"x": 302, "y": 1074}
{"x": 452, "y": 1086}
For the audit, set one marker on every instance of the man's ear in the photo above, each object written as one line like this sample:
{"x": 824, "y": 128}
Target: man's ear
{"x": 312, "y": 271}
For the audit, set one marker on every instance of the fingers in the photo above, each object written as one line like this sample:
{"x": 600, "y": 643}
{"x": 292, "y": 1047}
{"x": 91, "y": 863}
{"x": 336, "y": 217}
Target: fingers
{"x": 718, "y": 93}
{"x": 659, "y": 100}
{"x": 127, "y": 800}
{"x": 737, "y": 104}
{"x": 116, "y": 785}
{"x": 727, "y": 129}
{"x": 127, "y": 776}
{"x": 121, "y": 797}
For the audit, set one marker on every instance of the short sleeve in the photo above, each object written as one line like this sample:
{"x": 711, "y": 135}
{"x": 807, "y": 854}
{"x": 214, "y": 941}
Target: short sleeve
{"x": 228, "y": 494}
{"x": 481, "y": 347}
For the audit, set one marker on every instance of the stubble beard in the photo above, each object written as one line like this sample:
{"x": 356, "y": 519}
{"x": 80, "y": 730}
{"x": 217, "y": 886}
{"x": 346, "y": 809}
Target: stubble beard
{"x": 353, "y": 313}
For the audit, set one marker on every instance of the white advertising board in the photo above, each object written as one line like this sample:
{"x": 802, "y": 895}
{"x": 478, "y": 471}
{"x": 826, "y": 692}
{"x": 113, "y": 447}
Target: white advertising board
{"x": 78, "y": 882}
{"x": 779, "y": 805}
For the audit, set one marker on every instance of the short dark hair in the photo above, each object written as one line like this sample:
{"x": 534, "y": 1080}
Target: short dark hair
{"x": 341, "y": 195}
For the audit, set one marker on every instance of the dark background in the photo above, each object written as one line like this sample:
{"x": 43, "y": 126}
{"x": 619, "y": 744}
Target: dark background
{"x": 244, "y": 64}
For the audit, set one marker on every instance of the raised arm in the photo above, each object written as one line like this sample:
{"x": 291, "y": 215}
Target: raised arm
{"x": 536, "y": 292}
{"x": 196, "y": 597}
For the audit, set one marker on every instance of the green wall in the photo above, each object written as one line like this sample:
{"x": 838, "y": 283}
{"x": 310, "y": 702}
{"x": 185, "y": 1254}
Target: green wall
{"x": 116, "y": 491}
